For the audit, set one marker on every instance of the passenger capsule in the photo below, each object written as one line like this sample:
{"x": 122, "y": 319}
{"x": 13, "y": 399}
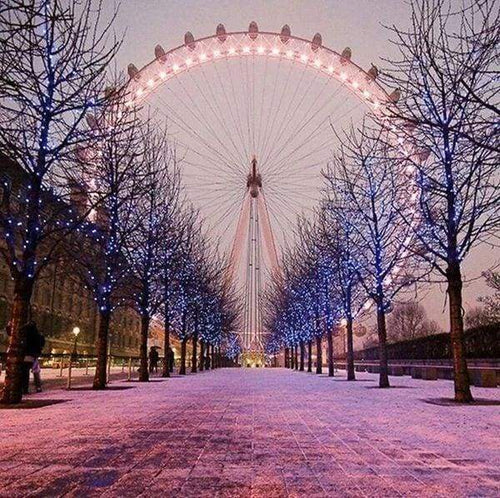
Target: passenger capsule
{"x": 189, "y": 40}
{"x": 285, "y": 33}
{"x": 424, "y": 154}
{"x": 372, "y": 73}
{"x": 221, "y": 33}
{"x": 92, "y": 121}
{"x": 109, "y": 92}
{"x": 253, "y": 30}
{"x": 395, "y": 96}
{"x": 160, "y": 53}
{"x": 346, "y": 55}
{"x": 133, "y": 72}
{"x": 316, "y": 42}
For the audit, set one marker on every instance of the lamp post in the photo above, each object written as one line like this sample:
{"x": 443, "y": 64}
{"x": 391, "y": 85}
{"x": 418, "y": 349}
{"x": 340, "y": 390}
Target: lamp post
{"x": 74, "y": 354}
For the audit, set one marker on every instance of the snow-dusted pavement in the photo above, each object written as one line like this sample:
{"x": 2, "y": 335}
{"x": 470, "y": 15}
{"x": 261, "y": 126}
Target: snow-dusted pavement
{"x": 253, "y": 433}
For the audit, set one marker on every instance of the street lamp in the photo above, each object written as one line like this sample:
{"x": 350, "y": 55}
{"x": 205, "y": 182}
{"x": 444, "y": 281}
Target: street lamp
{"x": 76, "y": 331}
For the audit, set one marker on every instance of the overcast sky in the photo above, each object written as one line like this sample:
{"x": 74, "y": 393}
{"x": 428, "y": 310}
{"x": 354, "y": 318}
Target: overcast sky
{"x": 358, "y": 24}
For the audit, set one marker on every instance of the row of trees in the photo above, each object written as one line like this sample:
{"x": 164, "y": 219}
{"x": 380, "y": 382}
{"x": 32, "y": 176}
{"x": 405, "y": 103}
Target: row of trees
{"x": 409, "y": 194}
{"x": 100, "y": 190}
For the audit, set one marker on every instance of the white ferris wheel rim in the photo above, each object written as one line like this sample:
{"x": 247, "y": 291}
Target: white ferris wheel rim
{"x": 188, "y": 56}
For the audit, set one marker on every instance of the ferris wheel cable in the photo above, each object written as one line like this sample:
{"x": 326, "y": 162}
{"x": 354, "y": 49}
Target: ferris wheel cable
{"x": 275, "y": 137}
{"x": 293, "y": 194}
{"x": 232, "y": 200}
{"x": 290, "y": 117}
{"x": 210, "y": 167}
{"x": 273, "y": 99}
{"x": 261, "y": 109}
{"x": 270, "y": 132}
{"x": 222, "y": 160}
{"x": 230, "y": 210}
{"x": 236, "y": 122}
{"x": 247, "y": 103}
{"x": 286, "y": 113}
{"x": 308, "y": 119}
{"x": 194, "y": 135}
{"x": 217, "y": 114}
{"x": 198, "y": 116}
{"x": 239, "y": 121}
{"x": 189, "y": 130}
{"x": 282, "y": 164}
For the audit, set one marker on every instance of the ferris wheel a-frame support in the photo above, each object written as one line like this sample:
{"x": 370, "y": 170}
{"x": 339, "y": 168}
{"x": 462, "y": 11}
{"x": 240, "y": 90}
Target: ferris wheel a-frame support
{"x": 260, "y": 244}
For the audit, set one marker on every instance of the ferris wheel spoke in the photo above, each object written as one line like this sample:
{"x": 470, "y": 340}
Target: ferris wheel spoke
{"x": 285, "y": 117}
{"x": 291, "y": 116}
{"x": 214, "y": 155}
{"x": 316, "y": 110}
{"x": 199, "y": 117}
{"x": 307, "y": 142}
{"x": 261, "y": 108}
{"x": 236, "y": 125}
{"x": 275, "y": 113}
{"x": 218, "y": 113}
{"x": 237, "y": 108}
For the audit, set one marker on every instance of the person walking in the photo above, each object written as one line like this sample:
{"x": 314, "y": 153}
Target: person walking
{"x": 34, "y": 346}
{"x": 153, "y": 359}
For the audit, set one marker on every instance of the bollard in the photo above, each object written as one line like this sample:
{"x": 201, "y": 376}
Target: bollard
{"x": 61, "y": 367}
{"x": 129, "y": 375}
{"x": 87, "y": 367}
{"x": 68, "y": 385}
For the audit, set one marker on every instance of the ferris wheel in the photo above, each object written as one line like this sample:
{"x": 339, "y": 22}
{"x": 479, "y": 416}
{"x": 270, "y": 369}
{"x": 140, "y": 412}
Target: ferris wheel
{"x": 251, "y": 115}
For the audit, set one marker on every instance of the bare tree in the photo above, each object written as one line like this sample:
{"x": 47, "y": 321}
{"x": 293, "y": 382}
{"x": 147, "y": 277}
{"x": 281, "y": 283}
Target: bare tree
{"x": 53, "y": 61}
{"x": 456, "y": 159}
{"x": 120, "y": 178}
{"x": 492, "y": 303}
{"x": 375, "y": 195}
{"x": 152, "y": 226}
{"x": 340, "y": 242}
{"x": 408, "y": 321}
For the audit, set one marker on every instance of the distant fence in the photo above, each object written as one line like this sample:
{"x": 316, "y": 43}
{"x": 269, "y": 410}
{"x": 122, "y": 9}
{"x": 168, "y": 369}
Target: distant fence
{"x": 480, "y": 342}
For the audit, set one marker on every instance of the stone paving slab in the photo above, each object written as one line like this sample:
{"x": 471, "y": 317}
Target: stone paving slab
{"x": 253, "y": 433}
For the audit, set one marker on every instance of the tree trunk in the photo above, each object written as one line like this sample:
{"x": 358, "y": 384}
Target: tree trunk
{"x": 287, "y": 358}
{"x": 182, "y": 370}
{"x": 102, "y": 351}
{"x": 13, "y": 388}
{"x": 460, "y": 373}
{"x": 350, "y": 351}
{"x": 212, "y": 354}
{"x": 319, "y": 356}
{"x": 166, "y": 347}
{"x": 202, "y": 356}
{"x": 194, "y": 356}
{"x": 331, "y": 366}
{"x": 309, "y": 356}
{"x": 302, "y": 356}
{"x": 382, "y": 348}
{"x": 296, "y": 359}
{"x": 143, "y": 350}
{"x": 292, "y": 358}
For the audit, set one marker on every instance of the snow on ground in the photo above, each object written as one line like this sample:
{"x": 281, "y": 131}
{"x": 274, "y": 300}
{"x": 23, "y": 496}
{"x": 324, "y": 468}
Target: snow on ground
{"x": 265, "y": 433}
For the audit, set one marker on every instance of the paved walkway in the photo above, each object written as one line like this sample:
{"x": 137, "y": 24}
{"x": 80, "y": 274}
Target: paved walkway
{"x": 265, "y": 433}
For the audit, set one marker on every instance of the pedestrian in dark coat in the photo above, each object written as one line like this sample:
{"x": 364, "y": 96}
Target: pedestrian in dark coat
{"x": 153, "y": 359}
{"x": 34, "y": 345}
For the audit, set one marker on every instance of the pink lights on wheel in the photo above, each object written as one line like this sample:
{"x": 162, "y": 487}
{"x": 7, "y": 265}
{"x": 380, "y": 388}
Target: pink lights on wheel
{"x": 323, "y": 59}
